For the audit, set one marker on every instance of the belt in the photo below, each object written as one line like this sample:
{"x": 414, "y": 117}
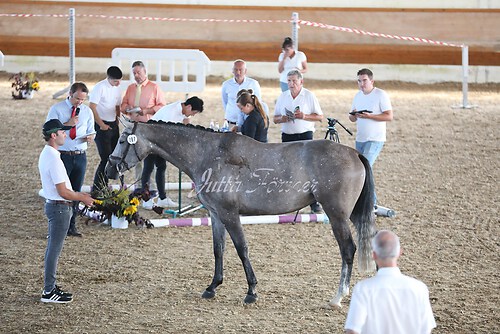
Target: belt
{"x": 52, "y": 201}
{"x": 233, "y": 123}
{"x": 77, "y": 152}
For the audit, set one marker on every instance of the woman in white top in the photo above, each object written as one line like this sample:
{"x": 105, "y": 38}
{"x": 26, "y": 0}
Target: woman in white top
{"x": 290, "y": 59}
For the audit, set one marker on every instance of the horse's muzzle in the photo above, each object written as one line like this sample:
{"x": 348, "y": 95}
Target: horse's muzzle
{"x": 112, "y": 169}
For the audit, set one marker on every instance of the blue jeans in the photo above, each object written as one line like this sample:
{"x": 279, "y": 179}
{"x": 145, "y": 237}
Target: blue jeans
{"x": 105, "y": 141}
{"x": 284, "y": 86}
{"x": 75, "y": 167}
{"x": 161, "y": 166}
{"x": 370, "y": 150}
{"x": 58, "y": 216}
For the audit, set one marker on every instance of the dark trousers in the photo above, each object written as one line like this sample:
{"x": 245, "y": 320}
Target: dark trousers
{"x": 105, "y": 141}
{"x": 297, "y": 137}
{"x": 75, "y": 167}
{"x": 285, "y": 137}
{"x": 161, "y": 166}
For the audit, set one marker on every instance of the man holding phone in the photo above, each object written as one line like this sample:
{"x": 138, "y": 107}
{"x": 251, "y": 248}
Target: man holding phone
{"x": 72, "y": 112}
{"x": 371, "y": 109}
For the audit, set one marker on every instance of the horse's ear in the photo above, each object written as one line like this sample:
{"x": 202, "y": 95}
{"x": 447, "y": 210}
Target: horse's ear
{"x": 128, "y": 123}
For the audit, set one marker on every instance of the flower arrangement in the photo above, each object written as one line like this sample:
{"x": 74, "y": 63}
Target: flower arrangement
{"x": 24, "y": 84}
{"x": 121, "y": 203}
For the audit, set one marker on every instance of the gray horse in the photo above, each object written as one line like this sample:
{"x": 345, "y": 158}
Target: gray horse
{"x": 236, "y": 175}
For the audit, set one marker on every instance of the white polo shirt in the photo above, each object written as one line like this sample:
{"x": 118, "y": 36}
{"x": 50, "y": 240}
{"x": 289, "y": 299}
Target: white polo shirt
{"x": 390, "y": 303}
{"x": 52, "y": 172}
{"x": 308, "y": 104}
{"x": 106, "y": 97}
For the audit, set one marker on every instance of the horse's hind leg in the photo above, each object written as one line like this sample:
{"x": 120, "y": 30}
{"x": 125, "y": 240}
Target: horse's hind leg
{"x": 235, "y": 230}
{"x": 219, "y": 244}
{"x": 340, "y": 227}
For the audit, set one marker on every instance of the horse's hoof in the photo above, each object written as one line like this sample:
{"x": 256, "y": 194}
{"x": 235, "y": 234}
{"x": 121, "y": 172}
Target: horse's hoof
{"x": 250, "y": 299}
{"x": 208, "y": 294}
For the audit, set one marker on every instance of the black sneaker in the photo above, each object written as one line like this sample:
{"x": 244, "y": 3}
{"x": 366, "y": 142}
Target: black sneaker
{"x": 58, "y": 288}
{"x": 56, "y": 296}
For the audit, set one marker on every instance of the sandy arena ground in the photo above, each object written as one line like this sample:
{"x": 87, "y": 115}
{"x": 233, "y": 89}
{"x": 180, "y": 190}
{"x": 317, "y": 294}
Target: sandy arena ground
{"x": 439, "y": 170}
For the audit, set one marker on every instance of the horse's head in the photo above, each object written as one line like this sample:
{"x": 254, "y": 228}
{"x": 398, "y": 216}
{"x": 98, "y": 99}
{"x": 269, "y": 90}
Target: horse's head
{"x": 128, "y": 152}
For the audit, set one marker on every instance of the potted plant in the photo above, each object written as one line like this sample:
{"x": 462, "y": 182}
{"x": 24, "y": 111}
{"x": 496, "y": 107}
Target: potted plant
{"x": 119, "y": 207}
{"x": 25, "y": 84}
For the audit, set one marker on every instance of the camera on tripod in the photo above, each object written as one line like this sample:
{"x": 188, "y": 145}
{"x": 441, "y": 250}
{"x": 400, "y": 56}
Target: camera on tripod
{"x": 331, "y": 122}
{"x": 331, "y": 131}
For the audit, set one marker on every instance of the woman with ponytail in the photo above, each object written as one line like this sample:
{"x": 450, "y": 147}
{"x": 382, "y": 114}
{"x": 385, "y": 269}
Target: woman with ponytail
{"x": 256, "y": 123}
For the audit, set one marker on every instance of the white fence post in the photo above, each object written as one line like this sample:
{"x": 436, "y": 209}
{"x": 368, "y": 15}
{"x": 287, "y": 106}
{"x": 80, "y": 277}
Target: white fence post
{"x": 2, "y": 57}
{"x": 295, "y": 30}
{"x": 465, "y": 76}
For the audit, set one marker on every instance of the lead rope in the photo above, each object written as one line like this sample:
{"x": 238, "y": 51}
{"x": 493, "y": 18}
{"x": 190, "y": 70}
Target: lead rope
{"x": 295, "y": 219}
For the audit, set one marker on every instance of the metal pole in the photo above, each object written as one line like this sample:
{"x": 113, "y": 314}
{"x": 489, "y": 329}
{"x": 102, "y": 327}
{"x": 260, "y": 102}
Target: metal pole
{"x": 465, "y": 69}
{"x": 71, "y": 46}
{"x": 295, "y": 30}
{"x": 71, "y": 55}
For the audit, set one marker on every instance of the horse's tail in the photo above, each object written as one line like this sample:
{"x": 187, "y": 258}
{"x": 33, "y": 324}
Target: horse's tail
{"x": 363, "y": 217}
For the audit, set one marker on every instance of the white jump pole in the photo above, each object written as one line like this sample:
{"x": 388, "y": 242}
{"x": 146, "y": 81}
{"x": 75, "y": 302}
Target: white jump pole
{"x": 1, "y": 59}
{"x": 245, "y": 220}
{"x": 295, "y": 30}
{"x": 168, "y": 186}
{"x": 71, "y": 54}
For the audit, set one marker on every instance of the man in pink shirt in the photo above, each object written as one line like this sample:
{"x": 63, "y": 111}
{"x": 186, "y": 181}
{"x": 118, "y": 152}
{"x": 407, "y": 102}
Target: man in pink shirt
{"x": 142, "y": 98}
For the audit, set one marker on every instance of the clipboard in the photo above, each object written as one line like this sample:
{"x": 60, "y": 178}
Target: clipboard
{"x": 85, "y": 135}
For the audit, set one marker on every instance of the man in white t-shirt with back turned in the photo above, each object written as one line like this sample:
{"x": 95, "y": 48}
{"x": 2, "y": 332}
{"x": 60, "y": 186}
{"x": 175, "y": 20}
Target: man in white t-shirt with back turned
{"x": 389, "y": 302}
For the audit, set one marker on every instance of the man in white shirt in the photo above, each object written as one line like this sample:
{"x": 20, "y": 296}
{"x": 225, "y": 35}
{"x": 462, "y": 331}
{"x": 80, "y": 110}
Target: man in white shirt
{"x": 177, "y": 112}
{"x": 105, "y": 100}
{"x": 371, "y": 109}
{"x": 230, "y": 89}
{"x": 72, "y": 112}
{"x": 389, "y": 302}
{"x": 296, "y": 110}
{"x": 57, "y": 190}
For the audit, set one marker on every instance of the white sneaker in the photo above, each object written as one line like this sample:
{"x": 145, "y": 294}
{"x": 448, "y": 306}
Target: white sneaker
{"x": 148, "y": 205}
{"x": 166, "y": 203}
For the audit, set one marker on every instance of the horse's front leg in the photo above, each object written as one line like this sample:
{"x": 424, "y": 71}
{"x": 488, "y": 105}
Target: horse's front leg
{"x": 219, "y": 244}
{"x": 347, "y": 250}
{"x": 235, "y": 230}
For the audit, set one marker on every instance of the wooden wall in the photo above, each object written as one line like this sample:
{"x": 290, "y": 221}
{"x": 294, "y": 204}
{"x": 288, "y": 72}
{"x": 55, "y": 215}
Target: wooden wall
{"x": 96, "y": 37}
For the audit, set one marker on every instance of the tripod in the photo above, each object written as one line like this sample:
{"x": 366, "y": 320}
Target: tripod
{"x": 332, "y": 133}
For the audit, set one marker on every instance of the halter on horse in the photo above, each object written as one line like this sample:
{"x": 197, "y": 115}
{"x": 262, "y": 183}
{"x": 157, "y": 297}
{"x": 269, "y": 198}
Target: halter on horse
{"x": 235, "y": 175}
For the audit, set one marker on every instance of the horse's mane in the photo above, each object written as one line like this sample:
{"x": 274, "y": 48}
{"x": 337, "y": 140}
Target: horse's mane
{"x": 198, "y": 127}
